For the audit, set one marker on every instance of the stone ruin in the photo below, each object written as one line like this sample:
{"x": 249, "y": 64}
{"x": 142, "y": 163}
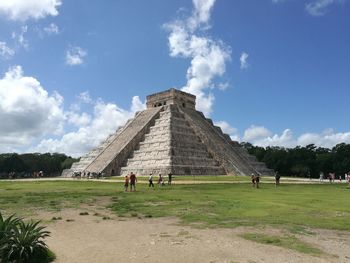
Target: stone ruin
{"x": 169, "y": 136}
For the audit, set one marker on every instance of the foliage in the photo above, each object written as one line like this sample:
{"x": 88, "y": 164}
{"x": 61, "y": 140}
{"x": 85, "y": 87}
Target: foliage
{"x": 28, "y": 163}
{"x": 288, "y": 241}
{"x": 22, "y": 242}
{"x": 304, "y": 161}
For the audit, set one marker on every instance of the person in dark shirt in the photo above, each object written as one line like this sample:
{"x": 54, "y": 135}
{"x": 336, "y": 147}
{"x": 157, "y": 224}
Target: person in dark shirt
{"x": 133, "y": 181}
{"x": 277, "y": 178}
{"x": 126, "y": 183}
{"x": 170, "y": 177}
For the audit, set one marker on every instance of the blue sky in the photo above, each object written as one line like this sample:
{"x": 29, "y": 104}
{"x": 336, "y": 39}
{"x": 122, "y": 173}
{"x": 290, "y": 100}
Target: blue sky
{"x": 271, "y": 72}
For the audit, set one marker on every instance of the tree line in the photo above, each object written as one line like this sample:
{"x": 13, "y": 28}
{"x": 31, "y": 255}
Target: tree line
{"x": 307, "y": 161}
{"x": 25, "y": 165}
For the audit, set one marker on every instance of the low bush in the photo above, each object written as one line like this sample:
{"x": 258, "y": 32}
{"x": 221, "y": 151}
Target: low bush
{"x": 22, "y": 242}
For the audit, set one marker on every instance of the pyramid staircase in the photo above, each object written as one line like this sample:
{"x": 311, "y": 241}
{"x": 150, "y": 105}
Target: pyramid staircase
{"x": 171, "y": 146}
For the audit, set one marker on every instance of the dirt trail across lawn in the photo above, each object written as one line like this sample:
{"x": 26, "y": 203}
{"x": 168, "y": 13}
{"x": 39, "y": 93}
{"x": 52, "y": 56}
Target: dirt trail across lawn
{"x": 89, "y": 238}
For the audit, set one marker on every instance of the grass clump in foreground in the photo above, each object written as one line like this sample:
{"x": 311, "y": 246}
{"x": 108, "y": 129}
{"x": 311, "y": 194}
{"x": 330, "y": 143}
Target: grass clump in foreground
{"x": 289, "y": 242}
{"x": 288, "y": 206}
{"x": 23, "y": 242}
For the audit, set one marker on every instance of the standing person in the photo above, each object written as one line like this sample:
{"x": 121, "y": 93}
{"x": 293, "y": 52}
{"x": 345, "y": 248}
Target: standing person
{"x": 126, "y": 183}
{"x": 321, "y": 176}
{"x": 330, "y": 177}
{"x": 170, "y": 177}
{"x": 160, "y": 180}
{"x": 133, "y": 181}
{"x": 257, "y": 180}
{"x": 150, "y": 180}
{"x": 253, "y": 179}
{"x": 349, "y": 179}
{"x": 277, "y": 178}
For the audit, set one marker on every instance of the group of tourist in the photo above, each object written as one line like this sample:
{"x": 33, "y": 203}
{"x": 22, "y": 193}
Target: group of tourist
{"x": 331, "y": 177}
{"x": 131, "y": 179}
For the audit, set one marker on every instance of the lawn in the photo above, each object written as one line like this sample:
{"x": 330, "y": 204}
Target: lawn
{"x": 206, "y": 205}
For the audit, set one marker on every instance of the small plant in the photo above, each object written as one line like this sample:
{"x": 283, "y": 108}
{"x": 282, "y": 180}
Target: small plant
{"x": 83, "y": 213}
{"x": 23, "y": 242}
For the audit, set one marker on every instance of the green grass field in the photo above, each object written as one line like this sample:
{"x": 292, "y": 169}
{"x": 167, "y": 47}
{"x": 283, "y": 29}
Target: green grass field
{"x": 214, "y": 205}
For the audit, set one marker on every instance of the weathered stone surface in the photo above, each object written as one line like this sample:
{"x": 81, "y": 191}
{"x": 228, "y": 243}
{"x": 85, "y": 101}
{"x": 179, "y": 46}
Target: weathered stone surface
{"x": 170, "y": 136}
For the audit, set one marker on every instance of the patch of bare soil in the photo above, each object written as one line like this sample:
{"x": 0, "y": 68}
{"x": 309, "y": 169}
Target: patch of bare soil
{"x": 103, "y": 237}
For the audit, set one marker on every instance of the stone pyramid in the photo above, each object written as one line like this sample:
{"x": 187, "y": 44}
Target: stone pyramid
{"x": 169, "y": 136}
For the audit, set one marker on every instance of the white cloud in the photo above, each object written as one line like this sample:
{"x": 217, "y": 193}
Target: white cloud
{"x": 85, "y": 97}
{"x": 255, "y": 133}
{"x": 51, "y": 29}
{"x": 278, "y": 1}
{"x": 208, "y": 56}
{"x": 75, "y": 56}
{"x": 243, "y": 59}
{"x": 261, "y": 136}
{"x": 286, "y": 139}
{"x": 23, "y": 10}
{"x": 5, "y": 51}
{"x": 320, "y": 7}
{"x": 228, "y": 129}
{"x": 27, "y": 110}
{"x": 79, "y": 120}
{"x": 19, "y": 37}
{"x": 106, "y": 118}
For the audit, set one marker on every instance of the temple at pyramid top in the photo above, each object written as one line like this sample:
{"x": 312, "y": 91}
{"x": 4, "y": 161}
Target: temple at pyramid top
{"x": 170, "y": 136}
{"x": 171, "y": 96}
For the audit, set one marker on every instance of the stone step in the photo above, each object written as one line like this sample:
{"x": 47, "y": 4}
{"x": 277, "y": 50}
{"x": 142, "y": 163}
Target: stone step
{"x": 174, "y": 151}
{"x": 148, "y": 162}
{"x": 160, "y": 145}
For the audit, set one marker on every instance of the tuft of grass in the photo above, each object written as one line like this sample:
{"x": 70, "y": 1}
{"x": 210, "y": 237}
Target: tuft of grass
{"x": 84, "y": 213}
{"x": 289, "y": 242}
{"x": 300, "y": 230}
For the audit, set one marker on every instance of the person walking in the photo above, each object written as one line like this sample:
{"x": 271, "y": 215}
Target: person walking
{"x": 160, "y": 180}
{"x": 133, "y": 181}
{"x": 126, "y": 183}
{"x": 257, "y": 180}
{"x": 321, "y": 176}
{"x": 253, "y": 179}
{"x": 150, "y": 180}
{"x": 170, "y": 178}
{"x": 277, "y": 178}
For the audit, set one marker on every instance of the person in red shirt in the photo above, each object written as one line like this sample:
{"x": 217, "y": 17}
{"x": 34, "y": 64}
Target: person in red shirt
{"x": 133, "y": 181}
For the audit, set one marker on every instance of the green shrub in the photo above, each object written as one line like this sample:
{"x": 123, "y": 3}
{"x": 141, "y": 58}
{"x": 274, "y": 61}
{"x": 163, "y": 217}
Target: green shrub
{"x": 22, "y": 242}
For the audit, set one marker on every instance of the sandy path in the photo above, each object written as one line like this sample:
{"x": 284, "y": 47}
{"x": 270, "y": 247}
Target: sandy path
{"x": 91, "y": 239}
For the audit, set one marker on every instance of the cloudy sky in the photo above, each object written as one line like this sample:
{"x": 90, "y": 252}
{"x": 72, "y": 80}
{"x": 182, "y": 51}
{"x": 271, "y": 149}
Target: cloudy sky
{"x": 271, "y": 72}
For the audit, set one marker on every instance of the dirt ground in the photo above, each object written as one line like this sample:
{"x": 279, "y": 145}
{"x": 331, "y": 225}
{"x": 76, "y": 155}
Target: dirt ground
{"x": 91, "y": 238}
